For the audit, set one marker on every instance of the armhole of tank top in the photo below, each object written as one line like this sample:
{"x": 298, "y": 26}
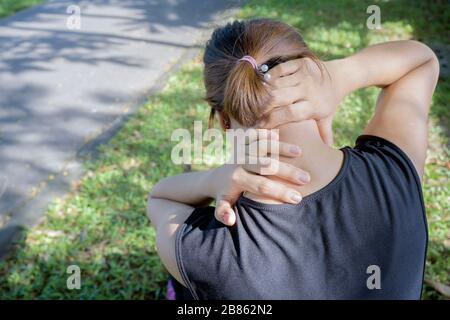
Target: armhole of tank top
{"x": 405, "y": 157}
{"x": 178, "y": 257}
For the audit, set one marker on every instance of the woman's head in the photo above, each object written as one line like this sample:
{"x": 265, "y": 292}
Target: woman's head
{"x": 234, "y": 88}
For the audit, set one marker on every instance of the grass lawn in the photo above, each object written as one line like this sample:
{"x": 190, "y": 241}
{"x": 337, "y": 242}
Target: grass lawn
{"x": 8, "y": 7}
{"x": 102, "y": 227}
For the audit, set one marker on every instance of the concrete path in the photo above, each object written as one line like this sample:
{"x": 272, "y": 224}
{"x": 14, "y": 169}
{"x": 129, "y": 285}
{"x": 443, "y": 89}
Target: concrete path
{"x": 60, "y": 88}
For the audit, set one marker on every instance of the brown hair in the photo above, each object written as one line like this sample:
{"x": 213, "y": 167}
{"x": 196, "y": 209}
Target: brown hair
{"x": 237, "y": 89}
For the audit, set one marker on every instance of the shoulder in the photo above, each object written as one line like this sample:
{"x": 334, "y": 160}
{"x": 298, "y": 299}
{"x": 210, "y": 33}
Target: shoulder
{"x": 381, "y": 164}
{"x": 385, "y": 152}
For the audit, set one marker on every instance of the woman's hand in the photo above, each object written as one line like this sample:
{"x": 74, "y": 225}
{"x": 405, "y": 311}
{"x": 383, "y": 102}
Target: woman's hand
{"x": 231, "y": 180}
{"x": 301, "y": 90}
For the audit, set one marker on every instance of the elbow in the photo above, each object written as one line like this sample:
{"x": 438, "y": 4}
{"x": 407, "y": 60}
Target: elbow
{"x": 151, "y": 209}
{"x": 434, "y": 65}
{"x": 157, "y": 191}
{"x": 433, "y": 60}
{"x": 151, "y": 199}
{"x": 418, "y": 46}
{"x": 430, "y": 58}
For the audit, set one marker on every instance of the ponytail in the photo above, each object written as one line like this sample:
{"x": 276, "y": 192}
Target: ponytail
{"x": 234, "y": 84}
{"x": 245, "y": 95}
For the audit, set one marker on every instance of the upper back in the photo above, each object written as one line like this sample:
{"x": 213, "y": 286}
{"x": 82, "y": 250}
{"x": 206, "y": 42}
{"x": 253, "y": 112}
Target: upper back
{"x": 370, "y": 217}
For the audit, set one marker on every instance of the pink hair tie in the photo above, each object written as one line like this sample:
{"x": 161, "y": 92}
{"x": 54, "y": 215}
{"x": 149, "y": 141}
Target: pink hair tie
{"x": 251, "y": 60}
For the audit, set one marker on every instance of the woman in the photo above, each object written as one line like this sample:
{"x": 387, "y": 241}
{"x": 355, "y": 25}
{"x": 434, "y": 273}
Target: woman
{"x": 360, "y": 230}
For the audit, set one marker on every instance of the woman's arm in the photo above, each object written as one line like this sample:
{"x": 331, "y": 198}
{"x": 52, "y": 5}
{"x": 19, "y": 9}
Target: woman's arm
{"x": 379, "y": 65}
{"x": 408, "y": 77}
{"x": 193, "y": 188}
{"x": 173, "y": 199}
{"x": 226, "y": 183}
{"x": 169, "y": 205}
{"x": 407, "y": 71}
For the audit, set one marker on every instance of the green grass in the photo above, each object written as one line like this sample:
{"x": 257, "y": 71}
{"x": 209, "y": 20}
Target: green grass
{"x": 8, "y": 7}
{"x": 102, "y": 227}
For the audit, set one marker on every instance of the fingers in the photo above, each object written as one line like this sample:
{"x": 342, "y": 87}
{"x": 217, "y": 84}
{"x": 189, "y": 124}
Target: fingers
{"x": 260, "y": 186}
{"x": 287, "y": 150}
{"x": 285, "y": 96}
{"x": 295, "y": 112}
{"x": 224, "y": 213}
{"x": 254, "y": 135}
{"x": 261, "y": 143}
{"x": 263, "y": 148}
{"x": 273, "y": 167}
{"x": 326, "y": 130}
{"x": 284, "y": 69}
{"x": 254, "y": 142}
{"x": 292, "y": 80}
{"x": 264, "y": 187}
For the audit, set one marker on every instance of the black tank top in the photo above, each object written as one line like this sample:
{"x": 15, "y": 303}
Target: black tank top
{"x": 367, "y": 224}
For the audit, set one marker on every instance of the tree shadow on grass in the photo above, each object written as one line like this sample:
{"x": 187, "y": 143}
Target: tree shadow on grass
{"x": 102, "y": 226}
{"x": 47, "y": 106}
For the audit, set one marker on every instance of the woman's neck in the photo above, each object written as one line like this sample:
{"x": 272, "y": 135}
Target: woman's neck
{"x": 321, "y": 161}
